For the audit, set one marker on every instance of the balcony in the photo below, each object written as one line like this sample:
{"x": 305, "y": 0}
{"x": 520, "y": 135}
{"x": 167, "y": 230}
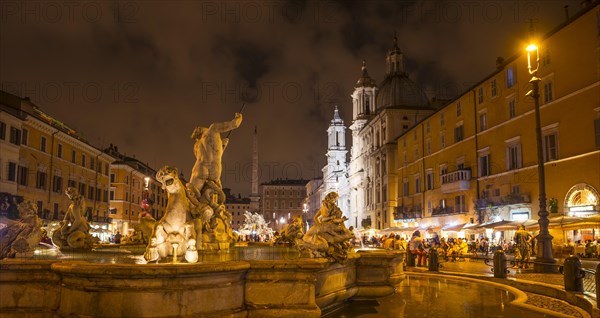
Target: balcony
{"x": 443, "y": 211}
{"x": 459, "y": 180}
{"x": 406, "y": 214}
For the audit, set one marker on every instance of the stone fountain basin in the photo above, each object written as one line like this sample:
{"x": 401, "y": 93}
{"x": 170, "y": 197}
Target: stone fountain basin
{"x": 302, "y": 287}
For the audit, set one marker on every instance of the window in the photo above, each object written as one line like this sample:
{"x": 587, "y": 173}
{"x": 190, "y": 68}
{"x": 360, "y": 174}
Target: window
{"x": 550, "y": 147}
{"x": 23, "y": 176}
{"x": 494, "y": 88}
{"x": 59, "y": 150}
{"x": 415, "y": 135}
{"x": 417, "y": 184}
{"x": 427, "y": 128}
{"x": 548, "y": 97}
{"x": 459, "y": 204}
{"x": 458, "y": 109}
{"x": 83, "y": 160}
{"x": 57, "y": 184}
{"x": 73, "y": 155}
{"x": 82, "y": 190}
{"x": 428, "y": 146}
{"x": 112, "y": 178}
{"x": 91, "y": 193}
{"x": 510, "y": 77}
{"x": 442, "y": 140}
{"x": 12, "y": 171}
{"x": 480, "y": 95}
{"x": 545, "y": 56}
{"x": 41, "y": 180}
{"x": 513, "y": 157}
{"x": 92, "y": 163}
{"x": 71, "y": 183}
{"x": 512, "y": 108}
{"x": 443, "y": 170}
{"x": 416, "y": 153}
{"x": 516, "y": 189}
{"x": 429, "y": 180}
{"x": 112, "y": 194}
{"x": 458, "y": 133}
{"x": 441, "y": 119}
{"x": 43, "y": 142}
{"x": 15, "y": 136}
{"x": 2, "y": 130}
{"x": 24, "y": 136}
{"x": 484, "y": 165}
{"x": 405, "y": 187}
{"x": 482, "y": 121}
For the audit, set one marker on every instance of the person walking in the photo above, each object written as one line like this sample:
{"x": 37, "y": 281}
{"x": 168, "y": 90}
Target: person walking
{"x": 417, "y": 249}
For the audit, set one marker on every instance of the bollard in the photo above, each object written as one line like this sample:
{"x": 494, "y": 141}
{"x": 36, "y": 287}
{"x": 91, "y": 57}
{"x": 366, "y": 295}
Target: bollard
{"x": 499, "y": 264}
{"x": 410, "y": 259}
{"x": 573, "y": 274}
{"x": 434, "y": 262}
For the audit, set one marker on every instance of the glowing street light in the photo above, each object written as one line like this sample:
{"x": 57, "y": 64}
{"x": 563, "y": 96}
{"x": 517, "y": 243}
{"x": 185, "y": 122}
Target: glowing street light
{"x": 544, "y": 260}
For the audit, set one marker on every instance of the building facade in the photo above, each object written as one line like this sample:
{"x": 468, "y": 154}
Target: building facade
{"x": 42, "y": 156}
{"x": 236, "y": 205}
{"x": 475, "y": 160}
{"x": 380, "y": 114}
{"x": 282, "y": 200}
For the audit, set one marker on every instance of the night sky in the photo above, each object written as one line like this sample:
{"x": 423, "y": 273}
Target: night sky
{"x": 143, "y": 74}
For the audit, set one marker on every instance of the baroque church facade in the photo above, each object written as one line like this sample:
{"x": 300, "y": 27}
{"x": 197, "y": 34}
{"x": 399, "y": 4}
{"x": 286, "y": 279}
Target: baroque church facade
{"x": 367, "y": 184}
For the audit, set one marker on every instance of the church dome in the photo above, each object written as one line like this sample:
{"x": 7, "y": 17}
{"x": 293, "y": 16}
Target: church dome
{"x": 397, "y": 90}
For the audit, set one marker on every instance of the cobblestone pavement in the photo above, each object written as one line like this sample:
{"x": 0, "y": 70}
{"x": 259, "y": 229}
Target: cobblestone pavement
{"x": 477, "y": 266}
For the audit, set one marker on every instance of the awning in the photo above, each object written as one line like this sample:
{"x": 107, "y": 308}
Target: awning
{"x": 454, "y": 228}
{"x": 492, "y": 225}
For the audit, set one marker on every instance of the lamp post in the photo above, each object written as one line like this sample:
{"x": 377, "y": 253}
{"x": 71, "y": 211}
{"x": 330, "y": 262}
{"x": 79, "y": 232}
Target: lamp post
{"x": 544, "y": 260}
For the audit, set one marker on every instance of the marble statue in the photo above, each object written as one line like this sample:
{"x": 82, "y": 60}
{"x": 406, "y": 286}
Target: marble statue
{"x": 22, "y": 235}
{"x": 329, "y": 237}
{"x": 142, "y": 230}
{"x": 204, "y": 190}
{"x": 292, "y": 233}
{"x": 74, "y": 231}
{"x": 173, "y": 235}
{"x": 255, "y": 227}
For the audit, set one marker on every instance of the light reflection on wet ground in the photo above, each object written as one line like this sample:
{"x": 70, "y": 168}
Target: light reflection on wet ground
{"x": 438, "y": 297}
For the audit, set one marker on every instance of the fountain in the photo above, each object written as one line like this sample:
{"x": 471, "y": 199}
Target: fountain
{"x": 322, "y": 276}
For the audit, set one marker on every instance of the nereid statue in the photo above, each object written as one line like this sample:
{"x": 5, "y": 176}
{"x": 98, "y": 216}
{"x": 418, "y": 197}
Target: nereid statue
{"x": 74, "y": 232}
{"x": 329, "y": 237}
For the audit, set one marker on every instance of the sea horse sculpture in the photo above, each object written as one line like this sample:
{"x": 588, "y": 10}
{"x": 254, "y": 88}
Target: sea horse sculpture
{"x": 174, "y": 234}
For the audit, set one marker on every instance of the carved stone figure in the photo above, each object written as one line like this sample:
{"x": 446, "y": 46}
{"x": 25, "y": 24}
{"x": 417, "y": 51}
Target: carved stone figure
{"x": 21, "y": 236}
{"x": 211, "y": 218}
{"x": 329, "y": 237}
{"x": 174, "y": 234}
{"x": 255, "y": 228}
{"x": 74, "y": 232}
{"x": 292, "y": 233}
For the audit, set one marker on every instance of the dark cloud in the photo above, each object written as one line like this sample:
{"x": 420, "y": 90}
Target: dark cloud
{"x": 161, "y": 69}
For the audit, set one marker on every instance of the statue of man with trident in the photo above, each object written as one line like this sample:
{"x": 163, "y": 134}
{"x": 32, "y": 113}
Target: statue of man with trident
{"x": 205, "y": 180}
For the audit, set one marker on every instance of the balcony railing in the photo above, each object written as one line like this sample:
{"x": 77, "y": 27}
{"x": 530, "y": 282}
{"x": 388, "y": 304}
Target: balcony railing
{"x": 443, "y": 210}
{"x": 459, "y": 180}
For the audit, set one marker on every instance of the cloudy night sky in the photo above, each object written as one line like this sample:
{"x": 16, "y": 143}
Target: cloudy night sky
{"x": 143, "y": 74}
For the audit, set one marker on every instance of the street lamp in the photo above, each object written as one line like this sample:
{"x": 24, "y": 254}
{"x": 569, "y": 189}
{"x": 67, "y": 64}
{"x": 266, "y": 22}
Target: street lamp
{"x": 544, "y": 260}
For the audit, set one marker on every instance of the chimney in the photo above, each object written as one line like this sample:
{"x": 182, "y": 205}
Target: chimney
{"x": 499, "y": 62}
